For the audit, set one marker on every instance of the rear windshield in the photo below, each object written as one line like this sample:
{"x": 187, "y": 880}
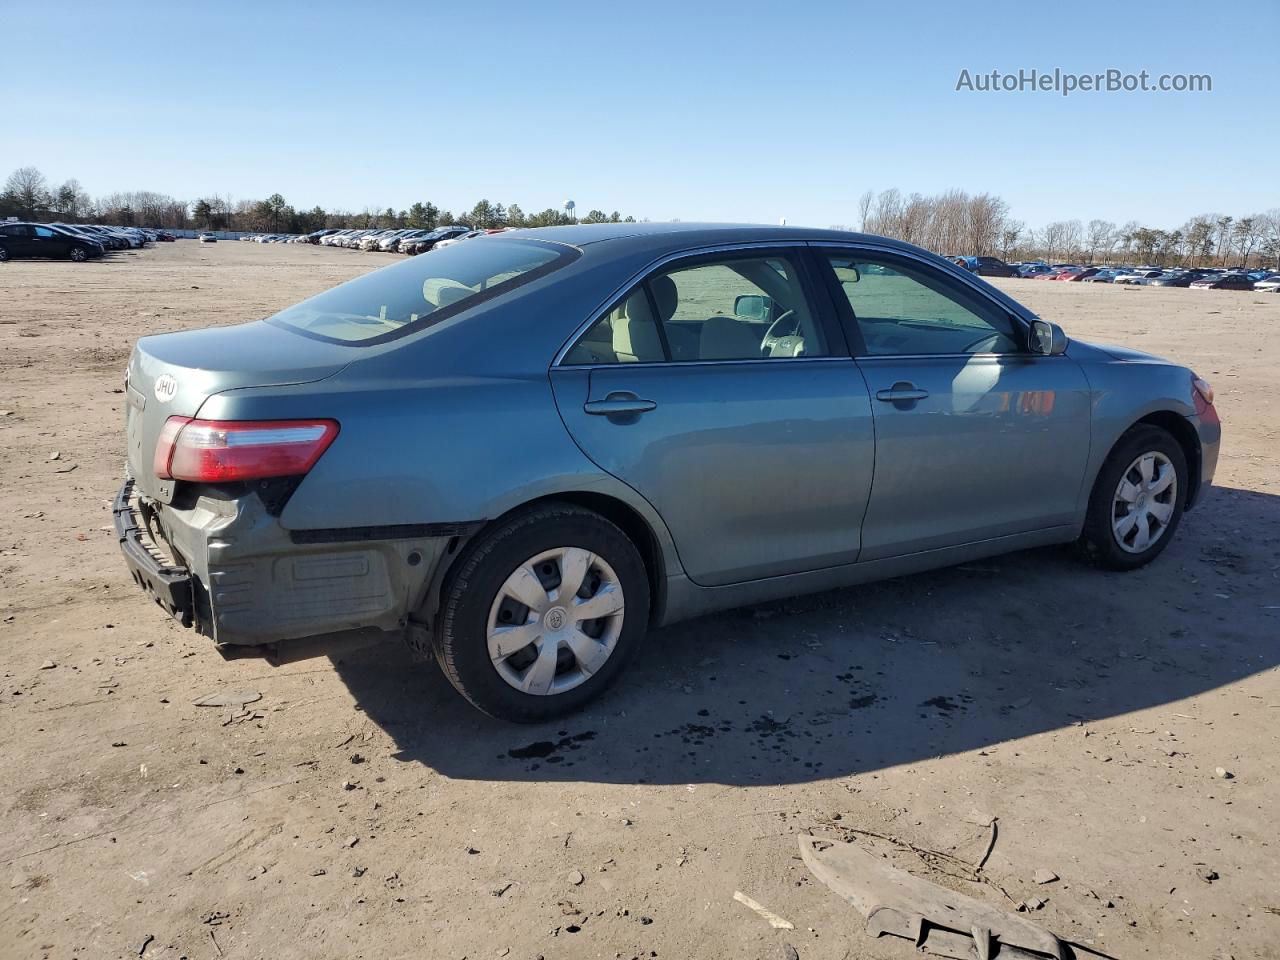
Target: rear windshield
{"x": 426, "y": 289}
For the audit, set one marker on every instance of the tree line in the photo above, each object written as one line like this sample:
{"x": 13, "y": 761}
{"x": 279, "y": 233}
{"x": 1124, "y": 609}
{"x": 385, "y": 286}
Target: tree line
{"x": 953, "y": 223}
{"x": 28, "y": 195}
{"x": 957, "y": 223}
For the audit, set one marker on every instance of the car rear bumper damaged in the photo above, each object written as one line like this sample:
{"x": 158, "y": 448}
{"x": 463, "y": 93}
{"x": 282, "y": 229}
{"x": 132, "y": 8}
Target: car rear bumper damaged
{"x": 225, "y": 565}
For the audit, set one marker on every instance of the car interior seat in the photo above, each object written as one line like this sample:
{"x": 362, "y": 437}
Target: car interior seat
{"x": 724, "y": 338}
{"x": 635, "y": 335}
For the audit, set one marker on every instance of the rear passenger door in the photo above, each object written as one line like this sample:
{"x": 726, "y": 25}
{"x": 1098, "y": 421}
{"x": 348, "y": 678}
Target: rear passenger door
{"x": 721, "y": 389}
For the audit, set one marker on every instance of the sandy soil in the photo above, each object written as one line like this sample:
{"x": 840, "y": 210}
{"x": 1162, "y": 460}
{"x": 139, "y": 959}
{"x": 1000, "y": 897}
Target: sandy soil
{"x": 361, "y": 809}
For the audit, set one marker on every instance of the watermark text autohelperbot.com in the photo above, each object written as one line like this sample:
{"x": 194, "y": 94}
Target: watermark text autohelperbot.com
{"x": 1065, "y": 83}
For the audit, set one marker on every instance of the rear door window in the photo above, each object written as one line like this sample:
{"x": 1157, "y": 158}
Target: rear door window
{"x": 713, "y": 309}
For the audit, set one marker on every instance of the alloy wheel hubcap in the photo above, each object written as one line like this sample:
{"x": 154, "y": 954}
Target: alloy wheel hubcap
{"x": 555, "y": 621}
{"x": 1144, "y": 502}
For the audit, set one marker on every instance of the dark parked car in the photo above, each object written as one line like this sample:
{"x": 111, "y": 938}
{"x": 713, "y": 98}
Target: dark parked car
{"x": 20, "y": 241}
{"x": 109, "y": 239}
{"x": 1178, "y": 278}
{"x": 521, "y": 452}
{"x": 993, "y": 267}
{"x": 1227, "y": 281}
{"x": 425, "y": 243}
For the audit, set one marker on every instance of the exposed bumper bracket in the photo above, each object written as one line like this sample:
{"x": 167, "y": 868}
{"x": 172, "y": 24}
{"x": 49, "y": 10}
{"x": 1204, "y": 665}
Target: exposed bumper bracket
{"x": 168, "y": 584}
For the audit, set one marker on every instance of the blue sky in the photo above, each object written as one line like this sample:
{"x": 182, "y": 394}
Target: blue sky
{"x": 698, "y": 110}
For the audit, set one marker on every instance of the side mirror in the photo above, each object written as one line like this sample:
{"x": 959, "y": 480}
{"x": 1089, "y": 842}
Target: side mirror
{"x": 1047, "y": 338}
{"x": 753, "y": 307}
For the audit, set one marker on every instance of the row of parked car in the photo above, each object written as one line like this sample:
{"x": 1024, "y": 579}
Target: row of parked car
{"x": 66, "y": 241}
{"x": 1202, "y": 278}
{"x": 407, "y": 240}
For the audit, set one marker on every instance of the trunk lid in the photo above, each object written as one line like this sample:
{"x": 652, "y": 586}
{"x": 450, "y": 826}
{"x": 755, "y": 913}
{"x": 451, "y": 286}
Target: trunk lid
{"x": 173, "y": 374}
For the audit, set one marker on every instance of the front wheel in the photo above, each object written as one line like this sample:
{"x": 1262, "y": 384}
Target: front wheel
{"x": 78, "y": 254}
{"x": 4, "y": 254}
{"x": 1137, "y": 500}
{"x": 542, "y": 614}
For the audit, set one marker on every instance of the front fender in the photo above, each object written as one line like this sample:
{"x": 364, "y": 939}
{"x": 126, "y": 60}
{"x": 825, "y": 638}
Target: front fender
{"x": 1125, "y": 392}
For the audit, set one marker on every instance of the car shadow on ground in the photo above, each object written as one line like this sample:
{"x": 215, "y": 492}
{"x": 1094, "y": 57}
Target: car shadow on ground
{"x": 860, "y": 679}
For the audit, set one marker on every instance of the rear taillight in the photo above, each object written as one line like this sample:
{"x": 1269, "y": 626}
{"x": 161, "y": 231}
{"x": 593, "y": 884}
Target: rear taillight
{"x": 221, "y": 451}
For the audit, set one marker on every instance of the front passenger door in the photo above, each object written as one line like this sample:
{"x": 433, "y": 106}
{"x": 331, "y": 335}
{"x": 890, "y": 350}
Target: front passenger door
{"x": 48, "y": 243}
{"x": 976, "y": 437}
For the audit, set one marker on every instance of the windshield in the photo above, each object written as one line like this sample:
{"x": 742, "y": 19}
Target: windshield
{"x": 429, "y": 288}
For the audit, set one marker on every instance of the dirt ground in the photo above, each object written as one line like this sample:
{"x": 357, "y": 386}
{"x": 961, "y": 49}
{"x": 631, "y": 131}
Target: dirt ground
{"x": 362, "y": 809}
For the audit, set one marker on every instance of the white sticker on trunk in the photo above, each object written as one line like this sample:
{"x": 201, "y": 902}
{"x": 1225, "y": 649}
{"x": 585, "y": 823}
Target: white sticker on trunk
{"x": 166, "y": 387}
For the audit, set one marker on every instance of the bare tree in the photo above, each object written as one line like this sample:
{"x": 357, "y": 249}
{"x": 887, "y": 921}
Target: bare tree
{"x": 914, "y": 219}
{"x": 1199, "y": 233}
{"x": 1247, "y": 233}
{"x": 27, "y": 190}
{"x": 1270, "y": 229}
{"x": 888, "y": 213}
{"x": 1009, "y": 235}
{"x": 1223, "y": 225}
{"x": 1054, "y": 239}
{"x": 864, "y": 208}
{"x": 986, "y": 215}
{"x": 1100, "y": 238}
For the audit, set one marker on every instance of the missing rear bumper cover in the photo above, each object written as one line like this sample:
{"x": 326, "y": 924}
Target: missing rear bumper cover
{"x": 306, "y": 648}
{"x": 168, "y": 583}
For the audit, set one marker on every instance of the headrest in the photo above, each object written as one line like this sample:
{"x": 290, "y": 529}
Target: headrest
{"x": 664, "y": 292}
{"x": 449, "y": 295}
{"x": 635, "y": 335}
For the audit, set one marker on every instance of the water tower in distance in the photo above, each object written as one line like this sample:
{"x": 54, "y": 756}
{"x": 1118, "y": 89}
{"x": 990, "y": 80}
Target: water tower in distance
{"x": 569, "y": 207}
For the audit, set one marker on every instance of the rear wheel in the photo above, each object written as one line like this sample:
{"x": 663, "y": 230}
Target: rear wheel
{"x": 1137, "y": 500}
{"x": 542, "y": 614}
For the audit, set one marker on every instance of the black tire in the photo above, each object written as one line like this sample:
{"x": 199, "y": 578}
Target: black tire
{"x": 460, "y": 640}
{"x": 78, "y": 254}
{"x": 1098, "y": 539}
{"x": 4, "y": 254}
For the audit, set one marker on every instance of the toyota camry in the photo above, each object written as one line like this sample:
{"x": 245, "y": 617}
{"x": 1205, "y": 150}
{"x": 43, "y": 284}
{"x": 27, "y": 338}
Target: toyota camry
{"x": 520, "y": 453}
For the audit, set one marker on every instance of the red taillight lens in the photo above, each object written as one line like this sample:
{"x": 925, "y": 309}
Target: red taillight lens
{"x": 164, "y": 446}
{"x": 221, "y": 451}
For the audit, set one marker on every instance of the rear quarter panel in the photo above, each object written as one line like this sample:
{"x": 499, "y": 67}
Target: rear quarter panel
{"x": 441, "y": 450}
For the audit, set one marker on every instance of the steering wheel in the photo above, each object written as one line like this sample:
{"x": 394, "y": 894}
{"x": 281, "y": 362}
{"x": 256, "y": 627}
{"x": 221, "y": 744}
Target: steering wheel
{"x": 771, "y": 337}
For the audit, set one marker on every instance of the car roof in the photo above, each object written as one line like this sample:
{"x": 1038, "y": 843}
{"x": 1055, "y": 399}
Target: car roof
{"x": 602, "y": 240}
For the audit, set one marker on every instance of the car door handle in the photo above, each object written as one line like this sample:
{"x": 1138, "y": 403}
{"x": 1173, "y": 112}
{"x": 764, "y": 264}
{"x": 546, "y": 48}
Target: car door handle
{"x": 902, "y": 390}
{"x": 618, "y": 402}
